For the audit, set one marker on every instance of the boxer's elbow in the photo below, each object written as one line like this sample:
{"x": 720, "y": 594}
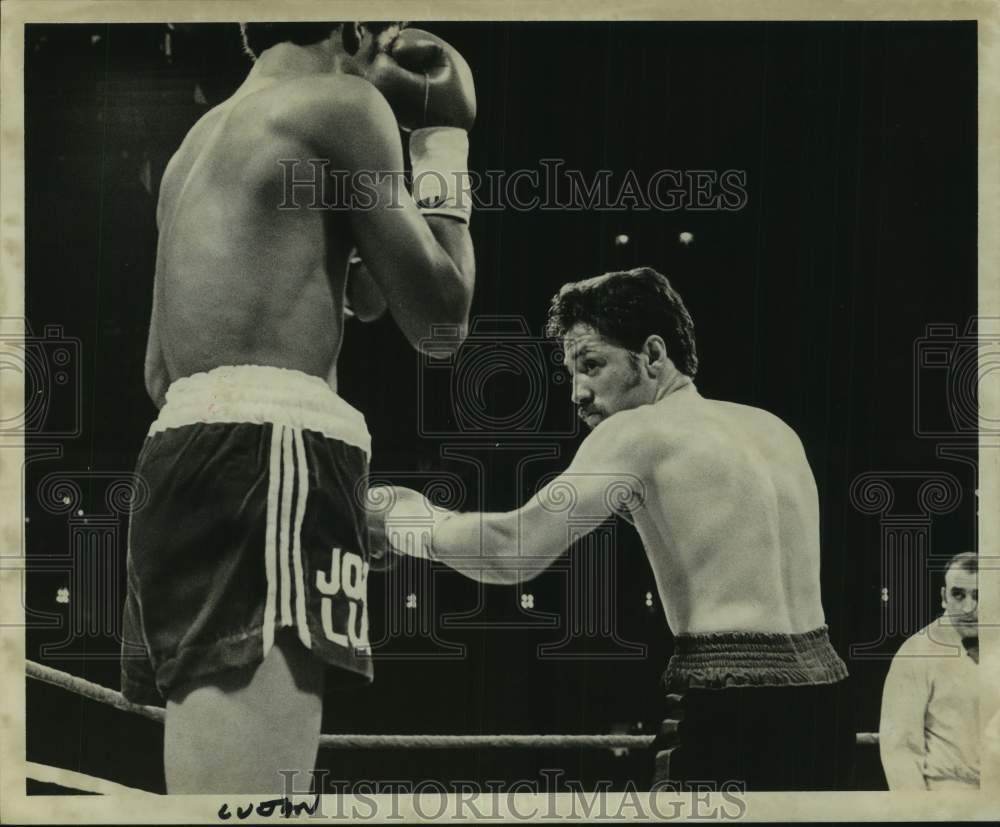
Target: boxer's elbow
{"x": 364, "y": 299}
{"x": 366, "y": 315}
{"x": 444, "y": 328}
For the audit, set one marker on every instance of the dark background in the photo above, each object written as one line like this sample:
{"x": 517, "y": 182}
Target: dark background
{"x": 859, "y": 143}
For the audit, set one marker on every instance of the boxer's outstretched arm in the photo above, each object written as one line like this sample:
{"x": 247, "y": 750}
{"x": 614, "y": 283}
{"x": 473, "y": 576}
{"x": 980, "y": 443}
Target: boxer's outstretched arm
{"x": 518, "y": 545}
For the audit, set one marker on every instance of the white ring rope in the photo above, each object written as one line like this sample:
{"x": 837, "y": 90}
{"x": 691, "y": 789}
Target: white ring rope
{"x": 94, "y": 691}
{"x": 78, "y": 781}
{"x": 114, "y": 699}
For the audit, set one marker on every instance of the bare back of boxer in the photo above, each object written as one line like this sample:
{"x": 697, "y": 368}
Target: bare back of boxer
{"x": 247, "y": 324}
{"x": 722, "y": 497}
{"x": 730, "y": 521}
{"x": 721, "y": 494}
{"x": 725, "y": 503}
{"x": 240, "y": 281}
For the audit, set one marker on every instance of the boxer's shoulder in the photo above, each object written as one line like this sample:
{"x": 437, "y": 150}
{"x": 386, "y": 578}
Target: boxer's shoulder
{"x": 767, "y": 431}
{"x": 329, "y": 109}
{"x": 629, "y": 433}
{"x": 713, "y": 438}
{"x": 749, "y": 416}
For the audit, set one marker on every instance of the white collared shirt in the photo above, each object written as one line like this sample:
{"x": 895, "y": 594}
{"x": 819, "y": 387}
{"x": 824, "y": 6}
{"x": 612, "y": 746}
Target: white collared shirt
{"x": 929, "y": 729}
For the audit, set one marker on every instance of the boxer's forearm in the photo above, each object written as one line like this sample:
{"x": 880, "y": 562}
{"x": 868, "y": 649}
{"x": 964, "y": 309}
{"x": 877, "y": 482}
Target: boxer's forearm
{"x": 500, "y": 548}
{"x": 486, "y": 547}
{"x": 454, "y": 239}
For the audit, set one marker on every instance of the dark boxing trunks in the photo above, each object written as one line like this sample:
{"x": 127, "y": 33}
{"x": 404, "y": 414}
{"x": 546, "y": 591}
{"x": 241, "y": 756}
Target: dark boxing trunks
{"x": 756, "y": 711}
{"x": 254, "y": 523}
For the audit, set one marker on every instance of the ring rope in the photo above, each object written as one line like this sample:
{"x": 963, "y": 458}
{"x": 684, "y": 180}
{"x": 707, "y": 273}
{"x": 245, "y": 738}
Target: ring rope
{"x": 94, "y": 691}
{"x": 114, "y": 699}
{"x": 78, "y": 780}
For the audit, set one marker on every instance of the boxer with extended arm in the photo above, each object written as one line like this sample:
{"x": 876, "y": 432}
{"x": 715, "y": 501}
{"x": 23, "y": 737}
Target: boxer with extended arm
{"x": 248, "y": 564}
{"x": 725, "y": 503}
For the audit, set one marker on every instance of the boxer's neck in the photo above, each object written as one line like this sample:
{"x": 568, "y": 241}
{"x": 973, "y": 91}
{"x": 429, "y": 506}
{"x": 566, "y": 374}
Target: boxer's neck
{"x": 285, "y": 60}
{"x": 673, "y": 383}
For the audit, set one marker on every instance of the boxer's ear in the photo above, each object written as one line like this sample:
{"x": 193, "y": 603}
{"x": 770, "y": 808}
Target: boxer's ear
{"x": 656, "y": 353}
{"x": 350, "y": 36}
{"x": 944, "y": 603}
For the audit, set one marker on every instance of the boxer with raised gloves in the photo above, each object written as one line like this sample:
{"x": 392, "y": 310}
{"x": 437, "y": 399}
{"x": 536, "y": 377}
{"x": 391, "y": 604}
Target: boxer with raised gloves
{"x": 247, "y": 323}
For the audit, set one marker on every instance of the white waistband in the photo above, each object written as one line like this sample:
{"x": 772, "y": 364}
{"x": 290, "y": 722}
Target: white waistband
{"x": 262, "y": 395}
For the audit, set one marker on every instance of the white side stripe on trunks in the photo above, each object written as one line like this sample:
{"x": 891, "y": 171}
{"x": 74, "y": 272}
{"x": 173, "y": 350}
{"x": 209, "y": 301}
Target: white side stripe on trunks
{"x": 285, "y": 527}
{"x": 271, "y": 537}
{"x": 300, "y": 512}
{"x": 288, "y": 480}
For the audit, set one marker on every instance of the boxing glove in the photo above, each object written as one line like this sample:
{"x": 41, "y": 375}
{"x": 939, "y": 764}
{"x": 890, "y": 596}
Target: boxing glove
{"x": 426, "y": 82}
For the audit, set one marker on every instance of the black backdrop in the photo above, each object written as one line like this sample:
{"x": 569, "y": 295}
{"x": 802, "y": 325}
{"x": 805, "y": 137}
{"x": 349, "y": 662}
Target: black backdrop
{"x": 859, "y": 145}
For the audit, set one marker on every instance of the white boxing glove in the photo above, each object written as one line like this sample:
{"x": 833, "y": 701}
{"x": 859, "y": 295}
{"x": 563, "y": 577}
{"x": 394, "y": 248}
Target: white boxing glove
{"x": 405, "y": 518}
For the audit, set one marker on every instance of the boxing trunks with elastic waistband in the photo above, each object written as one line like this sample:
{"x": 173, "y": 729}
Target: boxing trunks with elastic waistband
{"x": 254, "y": 522}
{"x": 757, "y": 710}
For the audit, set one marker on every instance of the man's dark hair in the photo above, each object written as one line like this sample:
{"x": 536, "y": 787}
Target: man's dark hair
{"x": 626, "y": 307}
{"x": 260, "y": 36}
{"x": 966, "y": 561}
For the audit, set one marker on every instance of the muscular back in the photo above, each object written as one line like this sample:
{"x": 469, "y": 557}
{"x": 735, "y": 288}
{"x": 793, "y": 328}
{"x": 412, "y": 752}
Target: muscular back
{"x": 238, "y": 280}
{"x": 730, "y": 521}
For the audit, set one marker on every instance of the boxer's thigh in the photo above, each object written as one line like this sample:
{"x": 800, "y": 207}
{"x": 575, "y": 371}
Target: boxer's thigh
{"x": 235, "y": 731}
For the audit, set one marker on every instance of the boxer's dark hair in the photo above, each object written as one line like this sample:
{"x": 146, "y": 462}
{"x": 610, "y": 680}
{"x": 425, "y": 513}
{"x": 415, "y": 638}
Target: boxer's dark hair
{"x": 626, "y": 307}
{"x": 260, "y": 36}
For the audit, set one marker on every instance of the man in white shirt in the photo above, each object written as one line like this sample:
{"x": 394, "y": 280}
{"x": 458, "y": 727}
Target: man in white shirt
{"x": 929, "y": 736}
